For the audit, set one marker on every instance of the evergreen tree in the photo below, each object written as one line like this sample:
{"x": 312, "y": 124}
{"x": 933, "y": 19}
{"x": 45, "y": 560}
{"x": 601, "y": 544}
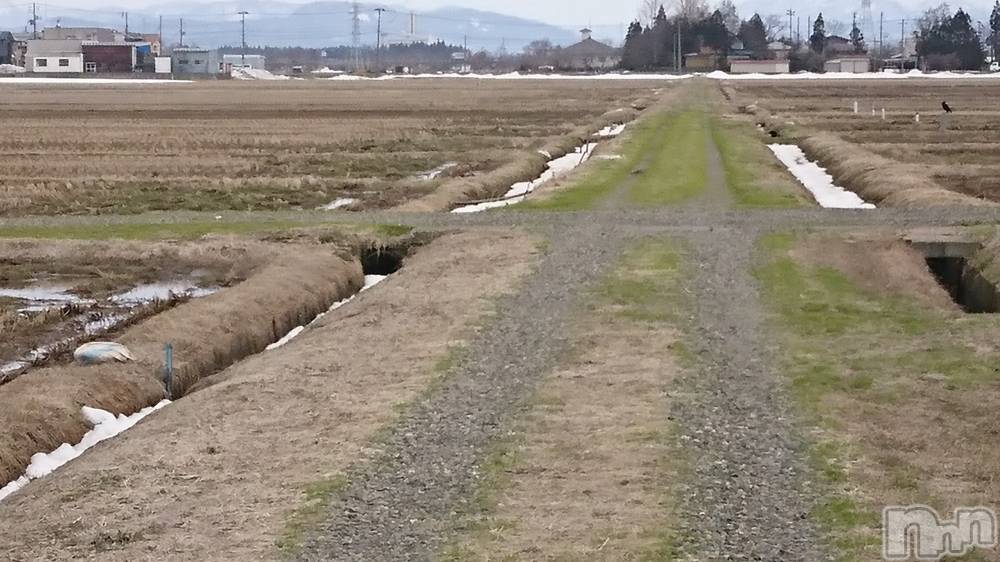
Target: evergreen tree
{"x": 632, "y": 51}
{"x": 995, "y": 30}
{"x": 968, "y": 45}
{"x": 713, "y": 32}
{"x": 857, "y": 38}
{"x": 661, "y": 40}
{"x": 817, "y": 41}
{"x": 753, "y": 33}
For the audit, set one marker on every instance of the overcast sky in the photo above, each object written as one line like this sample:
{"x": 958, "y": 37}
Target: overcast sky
{"x": 560, "y": 12}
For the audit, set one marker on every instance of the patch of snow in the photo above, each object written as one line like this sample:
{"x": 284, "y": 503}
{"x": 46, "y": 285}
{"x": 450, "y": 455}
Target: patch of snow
{"x": 519, "y": 191}
{"x": 370, "y": 281}
{"x": 161, "y": 291}
{"x": 436, "y": 172}
{"x": 11, "y": 69}
{"x": 519, "y": 76}
{"x": 817, "y": 180}
{"x": 339, "y": 203}
{"x": 546, "y": 154}
{"x": 99, "y": 81}
{"x": 609, "y": 157}
{"x": 720, "y": 75}
{"x": 105, "y": 426}
{"x": 256, "y": 74}
{"x": 611, "y": 131}
{"x": 327, "y": 71}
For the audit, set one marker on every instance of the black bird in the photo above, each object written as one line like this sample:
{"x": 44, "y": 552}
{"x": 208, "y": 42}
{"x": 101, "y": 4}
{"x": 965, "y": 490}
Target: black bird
{"x": 946, "y": 107}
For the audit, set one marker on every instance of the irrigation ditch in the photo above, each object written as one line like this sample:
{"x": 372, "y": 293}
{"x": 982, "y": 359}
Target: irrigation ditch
{"x": 45, "y": 409}
{"x": 959, "y": 266}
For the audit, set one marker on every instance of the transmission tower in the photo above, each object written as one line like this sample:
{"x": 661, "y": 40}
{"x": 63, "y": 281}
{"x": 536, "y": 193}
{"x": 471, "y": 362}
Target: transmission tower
{"x": 867, "y": 24}
{"x": 356, "y": 35}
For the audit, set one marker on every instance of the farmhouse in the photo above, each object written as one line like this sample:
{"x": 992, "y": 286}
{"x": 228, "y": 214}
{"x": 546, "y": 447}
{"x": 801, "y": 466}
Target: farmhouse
{"x": 109, "y": 57}
{"x": 55, "y": 56}
{"x": 589, "y": 54}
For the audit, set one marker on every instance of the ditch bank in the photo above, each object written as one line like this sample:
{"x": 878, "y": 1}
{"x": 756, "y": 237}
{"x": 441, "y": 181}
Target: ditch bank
{"x": 881, "y": 180}
{"x": 43, "y": 409}
{"x": 493, "y": 184}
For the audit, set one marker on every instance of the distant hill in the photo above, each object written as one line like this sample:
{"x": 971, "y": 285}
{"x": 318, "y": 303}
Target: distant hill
{"x": 318, "y": 24}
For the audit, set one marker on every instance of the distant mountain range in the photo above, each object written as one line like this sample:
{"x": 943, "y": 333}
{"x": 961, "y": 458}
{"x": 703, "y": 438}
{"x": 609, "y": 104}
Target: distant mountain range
{"x": 315, "y": 25}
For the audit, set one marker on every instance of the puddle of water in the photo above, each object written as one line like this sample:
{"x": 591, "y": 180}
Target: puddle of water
{"x": 519, "y": 191}
{"x": 436, "y": 172}
{"x": 42, "y": 297}
{"x": 816, "y": 179}
{"x": 338, "y": 203}
{"x": 150, "y": 292}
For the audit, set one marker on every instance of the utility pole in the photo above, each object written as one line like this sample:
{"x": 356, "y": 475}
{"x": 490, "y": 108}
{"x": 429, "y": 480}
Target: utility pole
{"x": 680, "y": 45}
{"x": 125, "y": 14}
{"x": 182, "y": 33}
{"x": 161, "y": 37}
{"x": 881, "y": 38}
{"x": 34, "y": 21}
{"x": 243, "y": 36}
{"x": 791, "y": 28}
{"x": 902, "y": 44}
{"x": 356, "y": 34}
{"x": 378, "y": 41}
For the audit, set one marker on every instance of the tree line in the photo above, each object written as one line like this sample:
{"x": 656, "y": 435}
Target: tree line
{"x": 944, "y": 40}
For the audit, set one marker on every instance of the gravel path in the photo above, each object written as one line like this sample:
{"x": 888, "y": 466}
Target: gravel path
{"x": 398, "y": 507}
{"x": 747, "y": 499}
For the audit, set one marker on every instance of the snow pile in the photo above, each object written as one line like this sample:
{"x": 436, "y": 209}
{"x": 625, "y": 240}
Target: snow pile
{"x": 720, "y": 75}
{"x": 106, "y": 426}
{"x": 11, "y": 69}
{"x": 338, "y": 203}
{"x": 327, "y": 71}
{"x": 611, "y": 131}
{"x": 256, "y": 74}
{"x": 91, "y": 81}
{"x": 519, "y": 191}
{"x": 436, "y": 172}
{"x": 150, "y": 292}
{"x": 519, "y": 76}
{"x": 817, "y": 180}
{"x": 370, "y": 281}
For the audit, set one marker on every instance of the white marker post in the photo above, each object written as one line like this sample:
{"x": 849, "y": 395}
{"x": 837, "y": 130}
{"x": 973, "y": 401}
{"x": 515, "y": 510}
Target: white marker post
{"x": 855, "y": 107}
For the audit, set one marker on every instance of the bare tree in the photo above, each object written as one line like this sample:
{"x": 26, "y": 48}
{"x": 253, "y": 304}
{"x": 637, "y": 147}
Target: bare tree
{"x": 648, "y": 10}
{"x": 731, "y": 16}
{"x": 692, "y": 9}
{"x": 836, "y": 27}
{"x": 774, "y": 25}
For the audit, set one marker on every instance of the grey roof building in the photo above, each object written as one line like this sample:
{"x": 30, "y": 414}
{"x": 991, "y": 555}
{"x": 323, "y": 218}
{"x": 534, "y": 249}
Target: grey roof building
{"x": 194, "y": 60}
{"x": 589, "y": 54}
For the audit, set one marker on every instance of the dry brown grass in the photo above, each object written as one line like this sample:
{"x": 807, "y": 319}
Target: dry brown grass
{"x": 896, "y": 162}
{"x": 223, "y": 473}
{"x": 878, "y": 179}
{"x": 525, "y": 166}
{"x": 41, "y": 410}
{"x": 212, "y": 146}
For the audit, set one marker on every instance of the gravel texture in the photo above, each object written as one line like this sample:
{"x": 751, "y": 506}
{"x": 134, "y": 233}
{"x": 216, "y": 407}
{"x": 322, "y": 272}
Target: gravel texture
{"x": 399, "y": 507}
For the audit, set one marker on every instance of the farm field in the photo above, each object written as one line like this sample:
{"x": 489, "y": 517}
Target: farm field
{"x": 670, "y": 350}
{"x": 228, "y": 146}
{"x": 959, "y": 152}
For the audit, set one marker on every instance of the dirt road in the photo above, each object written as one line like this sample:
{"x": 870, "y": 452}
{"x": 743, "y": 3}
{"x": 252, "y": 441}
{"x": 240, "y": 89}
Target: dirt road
{"x": 395, "y": 451}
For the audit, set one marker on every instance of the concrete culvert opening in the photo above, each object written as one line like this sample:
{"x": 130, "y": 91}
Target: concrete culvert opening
{"x": 966, "y": 284}
{"x": 382, "y": 261}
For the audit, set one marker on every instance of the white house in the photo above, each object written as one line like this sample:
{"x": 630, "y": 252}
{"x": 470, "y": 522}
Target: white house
{"x": 759, "y": 67}
{"x": 854, "y": 65}
{"x": 55, "y": 56}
